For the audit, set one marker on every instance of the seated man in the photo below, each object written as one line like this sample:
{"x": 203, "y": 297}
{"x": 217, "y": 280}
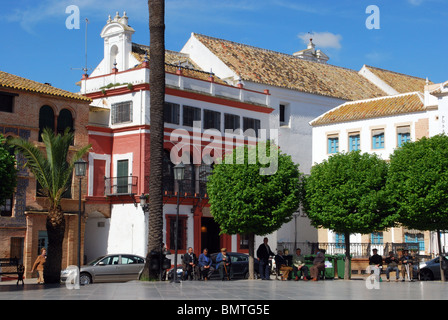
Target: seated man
{"x": 407, "y": 261}
{"x": 298, "y": 265}
{"x": 224, "y": 265}
{"x": 190, "y": 264}
{"x": 318, "y": 264}
{"x": 282, "y": 265}
{"x": 392, "y": 265}
{"x": 205, "y": 265}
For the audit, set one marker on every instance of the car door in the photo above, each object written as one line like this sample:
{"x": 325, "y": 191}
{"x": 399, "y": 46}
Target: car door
{"x": 107, "y": 268}
{"x": 130, "y": 267}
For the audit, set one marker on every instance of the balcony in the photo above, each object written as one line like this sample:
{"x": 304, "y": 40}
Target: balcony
{"x": 117, "y": 186}
{"x": 188, "y": 187}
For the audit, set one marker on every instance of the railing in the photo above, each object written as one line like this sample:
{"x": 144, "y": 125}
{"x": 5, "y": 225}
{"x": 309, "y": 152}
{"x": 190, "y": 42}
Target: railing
{"x": 357, "y": 250}
{"x": 120, "y": 185}
{"x": 190, "y": 187}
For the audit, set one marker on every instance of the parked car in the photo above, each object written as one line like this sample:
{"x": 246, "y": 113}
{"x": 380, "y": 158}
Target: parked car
{"x": 110, "y": 268}
{"x": 430, "y": 270}
{"x": 240, "y": 265}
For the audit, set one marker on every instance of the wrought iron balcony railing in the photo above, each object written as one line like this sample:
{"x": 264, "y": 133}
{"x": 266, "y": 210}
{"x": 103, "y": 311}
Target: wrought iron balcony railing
{"x": 120, "y": 185}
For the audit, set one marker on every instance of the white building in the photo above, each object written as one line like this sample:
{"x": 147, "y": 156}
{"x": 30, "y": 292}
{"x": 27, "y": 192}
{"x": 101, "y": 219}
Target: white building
{"x": 380, "y": 125}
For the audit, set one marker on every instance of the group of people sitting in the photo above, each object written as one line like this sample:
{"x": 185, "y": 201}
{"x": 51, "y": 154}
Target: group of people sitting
{"x": 298, "y": 267}
{"x": 204, "y": 267}
{"x": 406, "y": 260}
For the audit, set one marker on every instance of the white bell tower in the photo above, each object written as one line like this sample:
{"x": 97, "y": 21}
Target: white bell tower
{"x": 117, "y": 35}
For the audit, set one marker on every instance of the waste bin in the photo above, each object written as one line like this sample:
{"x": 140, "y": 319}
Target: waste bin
{"x": 340, "y": 264}
{"x": 329, "y": 266}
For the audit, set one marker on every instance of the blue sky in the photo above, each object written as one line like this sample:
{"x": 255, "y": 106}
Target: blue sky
{"x": 37, "y": 45}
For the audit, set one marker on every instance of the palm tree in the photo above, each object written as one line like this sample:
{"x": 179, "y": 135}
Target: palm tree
{"x": 157, "y": 97}
{"x": 53, "y": 173}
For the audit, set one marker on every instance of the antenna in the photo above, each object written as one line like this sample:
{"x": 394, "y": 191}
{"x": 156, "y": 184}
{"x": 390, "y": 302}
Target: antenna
{"x": 85, "y": 69}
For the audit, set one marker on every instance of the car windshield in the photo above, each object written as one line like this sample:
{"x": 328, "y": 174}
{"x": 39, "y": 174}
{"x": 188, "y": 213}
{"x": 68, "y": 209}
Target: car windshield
{"x": 93, "y": 262}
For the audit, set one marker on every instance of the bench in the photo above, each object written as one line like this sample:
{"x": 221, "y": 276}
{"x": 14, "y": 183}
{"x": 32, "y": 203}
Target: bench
{"x": 10, "y": 266}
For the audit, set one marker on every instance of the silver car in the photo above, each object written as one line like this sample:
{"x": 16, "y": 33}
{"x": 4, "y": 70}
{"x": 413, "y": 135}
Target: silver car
{"x": 430, "y": 270}
{"x": 110, "y": 268}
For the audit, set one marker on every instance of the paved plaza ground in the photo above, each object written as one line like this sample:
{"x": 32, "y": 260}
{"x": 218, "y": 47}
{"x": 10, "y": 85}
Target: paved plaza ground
{"x": 256, "y": 299}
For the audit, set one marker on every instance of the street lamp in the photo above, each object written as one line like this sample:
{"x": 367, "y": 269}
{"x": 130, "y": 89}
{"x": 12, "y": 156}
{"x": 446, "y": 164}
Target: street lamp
{"x": 179, "y": 171}
{"x": 80, "y": 171}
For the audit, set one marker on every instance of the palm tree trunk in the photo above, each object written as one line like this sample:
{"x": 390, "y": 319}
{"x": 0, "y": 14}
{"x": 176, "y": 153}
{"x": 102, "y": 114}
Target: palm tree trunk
{"x": 157, "y": 97}
{"x": 55, "y": 229}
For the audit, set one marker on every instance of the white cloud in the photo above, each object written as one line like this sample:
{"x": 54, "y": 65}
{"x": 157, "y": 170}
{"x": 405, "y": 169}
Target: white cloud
{"x": 323, "y": 39}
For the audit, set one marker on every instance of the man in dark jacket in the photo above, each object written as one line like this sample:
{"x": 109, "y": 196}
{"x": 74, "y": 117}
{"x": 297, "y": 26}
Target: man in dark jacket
{"x": 190, "y": 264}
{"x": 263, "y": 254}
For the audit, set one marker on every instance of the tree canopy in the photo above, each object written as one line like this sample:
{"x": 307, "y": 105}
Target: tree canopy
{"x": 8, "y": 172}
{"x": 244, "y": 201}
{"x": 418, "y": 182}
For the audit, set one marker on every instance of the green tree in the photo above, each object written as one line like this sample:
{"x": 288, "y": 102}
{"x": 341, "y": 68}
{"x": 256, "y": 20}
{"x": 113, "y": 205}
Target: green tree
{"x": 245, "y": 199}
{"x": 346, "y": 194}
{"x": 157, "y": 97}
{"x": 52, "y": 168}
{"x": 418, "y": 182}
{"x": 8, "y": 172}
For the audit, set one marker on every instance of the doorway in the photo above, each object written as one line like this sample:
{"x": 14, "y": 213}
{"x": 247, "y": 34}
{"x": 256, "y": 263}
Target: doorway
{"x": 210, "y": 238}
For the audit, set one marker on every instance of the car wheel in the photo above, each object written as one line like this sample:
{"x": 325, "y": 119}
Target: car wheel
{"x": 85, "y": 278}
{"x": 426, "y": 275}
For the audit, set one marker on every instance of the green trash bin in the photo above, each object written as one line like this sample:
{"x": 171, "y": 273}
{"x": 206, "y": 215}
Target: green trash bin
{"x": 329, "y": 266}
{"x": 340, "y": 264}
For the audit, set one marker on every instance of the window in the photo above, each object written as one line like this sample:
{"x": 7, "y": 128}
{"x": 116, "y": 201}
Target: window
{"x": 403, "y": 135}
{"x": 212, "y": 120}
{"x": 6, "y": 209}
{"x": 249, "y": 123}
{"x": 378, "y": 139}
{"x": 231, "y": 122}
{"x": 171, "y": 113}
{"x": 283, "y": 114}
{"x": 7, "y": 102}
{"x": 190, "y": 115}
{"x": 42, "y": 241}
{"x": 333, "y": 144}
{"x": 415, "y": 238}
{"x": 121, "y": 112}
{"x": 181, "y": 235}
{"x": 122, "y": 176}
{"x": 46, "y": 120}
{"x": 65, "y": 120}
{"x": 339, "y": 238}
{"x": 354, "y": 142}
{"x": 376, "y": 238}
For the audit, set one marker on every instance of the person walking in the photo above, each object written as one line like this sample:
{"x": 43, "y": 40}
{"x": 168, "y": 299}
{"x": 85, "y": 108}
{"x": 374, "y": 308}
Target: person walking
{"x": 263, "y": 254}
{"x": 39, "y": 265}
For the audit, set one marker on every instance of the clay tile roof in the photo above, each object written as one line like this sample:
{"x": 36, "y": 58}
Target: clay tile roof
{"x": 373, "y": 108}
{"x": 11, "y": 81}
{"x": 402, "y": 83}
{"x": 172, "y": 61}
{"x": 284, "y": 70}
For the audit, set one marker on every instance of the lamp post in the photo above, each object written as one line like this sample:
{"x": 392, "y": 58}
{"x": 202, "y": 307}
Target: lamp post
{"x": 179, "y": 171}
{"x": 80, "y": 171}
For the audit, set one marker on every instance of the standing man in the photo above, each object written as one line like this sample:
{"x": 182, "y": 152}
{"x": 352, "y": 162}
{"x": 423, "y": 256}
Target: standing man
{"x": 263, "y": 254}
{"x": 190, "y": 263}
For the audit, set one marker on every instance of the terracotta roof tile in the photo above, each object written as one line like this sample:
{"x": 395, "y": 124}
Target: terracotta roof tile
{"x": 402, "y": 83}
{"x": 11, "y": 81}
{"x": 372, "y": 108}
{"x": 283, "y": 70}
{"x": 172, "y": 61}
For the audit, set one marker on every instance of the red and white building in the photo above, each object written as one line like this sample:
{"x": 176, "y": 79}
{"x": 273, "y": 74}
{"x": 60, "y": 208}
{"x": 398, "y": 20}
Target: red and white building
{"x": 120, "y": 129}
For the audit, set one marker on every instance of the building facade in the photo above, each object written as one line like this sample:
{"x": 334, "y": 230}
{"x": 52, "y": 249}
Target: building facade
{"x": 27, "y": 108}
